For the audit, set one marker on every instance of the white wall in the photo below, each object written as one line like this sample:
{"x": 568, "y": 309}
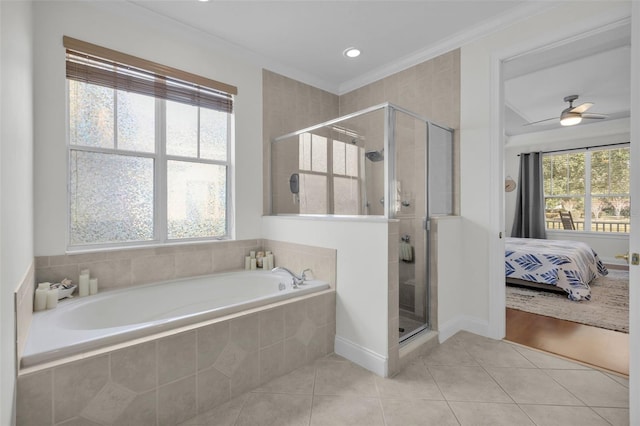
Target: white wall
{"x": 451, "y": 271}
{"x": 16, "y": 182}
{"x": 615, "y": 131}
{"x": 361, "y": 278}
{"x": 481, "y": 147}
{"x": 121, "y": 26}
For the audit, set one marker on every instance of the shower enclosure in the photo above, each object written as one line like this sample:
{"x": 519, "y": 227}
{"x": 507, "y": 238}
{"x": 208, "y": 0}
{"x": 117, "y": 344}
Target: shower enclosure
{"x": 381, "y": 161}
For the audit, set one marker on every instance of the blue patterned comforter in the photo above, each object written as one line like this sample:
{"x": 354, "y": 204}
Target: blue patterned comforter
{"x": 570, "y": 265}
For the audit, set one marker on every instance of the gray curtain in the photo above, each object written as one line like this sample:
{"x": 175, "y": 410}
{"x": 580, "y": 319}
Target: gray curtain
{"x": 529, "y": 218}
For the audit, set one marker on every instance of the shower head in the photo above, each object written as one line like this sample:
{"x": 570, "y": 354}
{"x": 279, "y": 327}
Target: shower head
{"x": 375, "y": 156}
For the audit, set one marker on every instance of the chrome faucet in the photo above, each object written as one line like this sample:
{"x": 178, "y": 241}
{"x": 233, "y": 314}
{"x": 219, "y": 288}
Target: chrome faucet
{"x": 296, "y": 279}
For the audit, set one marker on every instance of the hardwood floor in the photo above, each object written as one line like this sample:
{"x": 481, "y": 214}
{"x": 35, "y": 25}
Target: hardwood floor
{"x": 597, "y": 347}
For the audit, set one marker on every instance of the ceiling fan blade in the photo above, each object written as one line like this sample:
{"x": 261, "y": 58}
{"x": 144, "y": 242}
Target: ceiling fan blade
{"x": 595, "y": 116}
{"x": 582, "y": 107}
{"x": 540, "y": 121}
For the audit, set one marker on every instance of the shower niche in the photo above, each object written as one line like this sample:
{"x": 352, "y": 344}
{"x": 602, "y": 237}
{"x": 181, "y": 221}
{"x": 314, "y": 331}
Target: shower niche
{"x": 381, "y": 161}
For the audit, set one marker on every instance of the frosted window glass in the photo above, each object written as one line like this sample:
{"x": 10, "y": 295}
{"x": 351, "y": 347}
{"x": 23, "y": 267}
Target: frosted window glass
{"x": 196, "y": 200}
{"x": 345, "y": 196}
{"x": 352, "y": 160}
{"x": 90, "y": 115}
{"x": 313, "y": 194}
{"x": 213, "y": 134}
{"x": 338, "y": 158}
{"x": 111, "y": 198}
{"x": 182, "y": 129}
{"x": 304, "y": 153}
{"x": 136, "y": 122}
{"x": 319, "y": 154}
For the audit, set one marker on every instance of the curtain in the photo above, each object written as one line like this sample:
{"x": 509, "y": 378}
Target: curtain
{"x": 529, "y": 220}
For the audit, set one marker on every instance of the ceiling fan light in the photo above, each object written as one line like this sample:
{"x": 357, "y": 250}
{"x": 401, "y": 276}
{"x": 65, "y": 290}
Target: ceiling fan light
{"x": 570, "y": 119}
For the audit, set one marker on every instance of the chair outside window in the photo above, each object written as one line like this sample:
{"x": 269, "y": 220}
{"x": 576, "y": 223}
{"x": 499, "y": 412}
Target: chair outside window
{"x": 567, "y": 220}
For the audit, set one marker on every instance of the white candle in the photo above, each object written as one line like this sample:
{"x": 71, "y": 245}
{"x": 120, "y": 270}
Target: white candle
{"x": 52, "y": 298}
{"x": 247, "y": 262}
{"x": 40, "y": 302}
{"x": 93, "y": 285}
{"x": 254, "y": 264}
{"x": 83, "y": 285}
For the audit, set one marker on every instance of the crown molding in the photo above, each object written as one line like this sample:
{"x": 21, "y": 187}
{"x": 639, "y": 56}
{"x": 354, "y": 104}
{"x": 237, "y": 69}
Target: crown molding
{"x": 443, "y": 46}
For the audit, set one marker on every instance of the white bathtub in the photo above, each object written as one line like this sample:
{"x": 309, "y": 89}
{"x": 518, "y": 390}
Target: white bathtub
{"x": 80, "y": 325}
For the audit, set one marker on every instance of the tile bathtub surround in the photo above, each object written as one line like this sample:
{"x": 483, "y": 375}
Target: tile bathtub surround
{"x": 298, "y": 257}
{"x": 334, "y": 391}
{"x": 169, "y": 380}
{"x": 125, "y": 268}
{"x": 130, "y": 267}
{"x": 23, "y": 300}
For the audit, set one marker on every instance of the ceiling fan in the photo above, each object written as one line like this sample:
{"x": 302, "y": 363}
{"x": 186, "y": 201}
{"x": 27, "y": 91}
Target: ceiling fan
{"x": 573, "y": 115}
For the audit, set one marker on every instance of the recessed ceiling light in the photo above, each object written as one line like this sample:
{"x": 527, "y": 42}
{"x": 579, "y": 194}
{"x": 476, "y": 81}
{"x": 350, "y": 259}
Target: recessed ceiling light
{"x": 351, "y": 52}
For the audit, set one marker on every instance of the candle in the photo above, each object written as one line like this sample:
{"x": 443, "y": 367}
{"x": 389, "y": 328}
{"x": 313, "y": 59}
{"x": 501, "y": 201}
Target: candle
{"x": 93, "y": 285}
{"x": 254, "y": 264}
{"x": 83, "y": 285}
{"x": 52, "y": 298}
{"x": 40, "y": 302}
{"x": 247, "y": 262}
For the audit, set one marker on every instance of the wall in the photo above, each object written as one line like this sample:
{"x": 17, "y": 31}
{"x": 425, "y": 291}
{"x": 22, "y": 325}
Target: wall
{"x": 361, "y": 279}
{"x": 447, "y": 244}
{"x": 289, "y": 105}
{"x": 481, "y": 149}
{"x": 430, "y": 89}
{"x": 157, "y": 40}
{"x": 615, "y": 131}
{"x": 16, "y": 182}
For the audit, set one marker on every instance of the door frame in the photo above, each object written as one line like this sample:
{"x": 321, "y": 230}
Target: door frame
{"x": 497, "y": 293}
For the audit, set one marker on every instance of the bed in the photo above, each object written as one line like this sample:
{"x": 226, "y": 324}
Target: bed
{"x": 568, "y": 266}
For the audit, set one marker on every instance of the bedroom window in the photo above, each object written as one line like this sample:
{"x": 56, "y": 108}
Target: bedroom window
{"x": 592, "y": 185}
{"x": 148, "y": 153}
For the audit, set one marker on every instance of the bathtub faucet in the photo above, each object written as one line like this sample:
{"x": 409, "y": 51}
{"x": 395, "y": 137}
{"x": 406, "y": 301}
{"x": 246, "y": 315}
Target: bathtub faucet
{"x": 296, "y": 279}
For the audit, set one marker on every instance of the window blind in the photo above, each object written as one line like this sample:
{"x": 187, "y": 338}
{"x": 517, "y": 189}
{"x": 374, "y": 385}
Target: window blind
{"x": 97, "y": 65}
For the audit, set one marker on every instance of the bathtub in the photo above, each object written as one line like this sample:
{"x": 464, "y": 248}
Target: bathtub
{"x": 83, "y": 324}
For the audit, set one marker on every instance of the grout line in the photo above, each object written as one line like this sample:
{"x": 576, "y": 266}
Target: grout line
{"x": 313, "y": 389}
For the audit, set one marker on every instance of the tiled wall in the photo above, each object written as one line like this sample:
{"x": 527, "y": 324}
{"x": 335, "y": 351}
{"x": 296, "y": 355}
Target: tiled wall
{"x": 168, "y": 380}
{"x": 23, "y": 302}
{"x": 289, "y": 105}
{"x": 432, "y": 90}
{"x": 125, "y": 268}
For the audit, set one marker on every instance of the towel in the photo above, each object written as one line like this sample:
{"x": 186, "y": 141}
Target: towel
{"x": 406, "y": 252}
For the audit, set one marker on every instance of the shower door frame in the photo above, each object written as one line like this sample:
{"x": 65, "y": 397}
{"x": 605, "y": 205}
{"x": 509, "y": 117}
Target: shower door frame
{"x": 390, "y": 182}
{"x": 426, "y": 220}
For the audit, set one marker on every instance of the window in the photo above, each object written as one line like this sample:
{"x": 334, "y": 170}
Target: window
{"x": 148, "y": 153}
{"x": 593, "y": 185}
{"x": 329, "y": 176}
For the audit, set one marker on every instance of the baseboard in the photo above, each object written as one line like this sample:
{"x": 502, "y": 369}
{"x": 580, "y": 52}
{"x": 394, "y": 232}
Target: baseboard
{"x": 362, "y": 356}
{"x": 463, "y": 322}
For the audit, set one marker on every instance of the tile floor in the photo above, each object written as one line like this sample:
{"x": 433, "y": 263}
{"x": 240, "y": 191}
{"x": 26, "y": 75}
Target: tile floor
{"x": 468, "y": 380}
